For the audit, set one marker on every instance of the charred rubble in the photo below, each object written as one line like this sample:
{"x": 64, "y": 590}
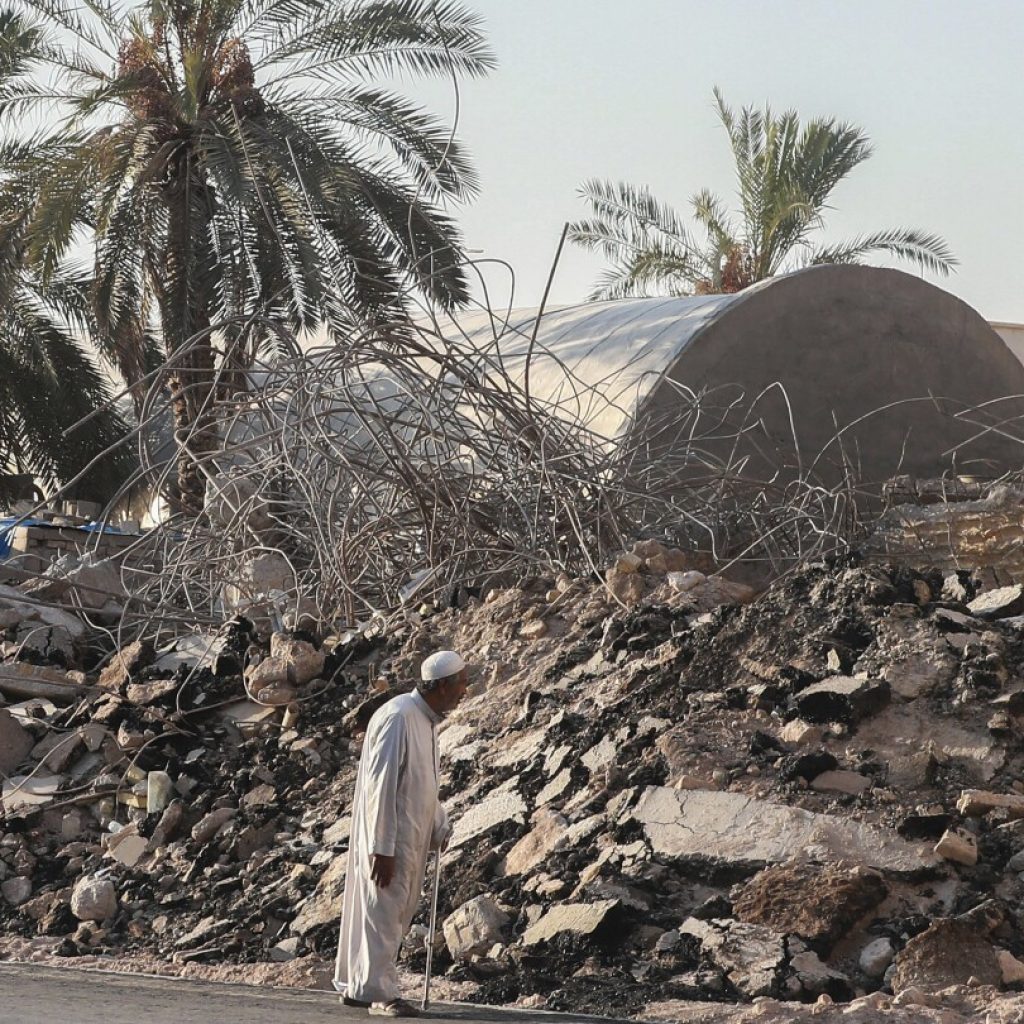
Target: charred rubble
{"x": 665, "y": 786}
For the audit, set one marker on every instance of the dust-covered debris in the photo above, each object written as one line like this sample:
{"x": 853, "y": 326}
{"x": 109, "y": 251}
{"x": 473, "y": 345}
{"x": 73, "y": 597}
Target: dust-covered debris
{"x": 696, "y": 795}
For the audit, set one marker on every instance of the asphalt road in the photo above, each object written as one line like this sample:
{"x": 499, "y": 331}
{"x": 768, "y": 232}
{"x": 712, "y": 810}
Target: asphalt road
{"x": 54, "y": 995}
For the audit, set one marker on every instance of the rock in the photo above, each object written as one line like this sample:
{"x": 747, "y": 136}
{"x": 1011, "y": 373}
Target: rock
{"x": 851, "y": 783}
{"x": 947, "y": 953}
{"x": 571, "y": 918}
{"x": 976, "y": 803}
{"x": 287, "y": 949}
{"x": 56, "y": 750}
{"x": 324, "y": 905}
{"x": 628, "y": 563}
{"x": 15, "y": 743}
{"x": 875, "y": 957}
{"x": 475, "y": 927}
{"x": 842, "y": 699}
{"x": 206, "y": 828}
{"x": 625, "y": 587}
{"x": 547, "y": 834}
{"x": 735, "y": 829}
{"x": 1011, "y": 968}
{"x": 800, "y": 733}
{"x": 534, "y": 629}
{"x": 16, "y": 890}
{"x": 1016, "y": 862}
{"x": 819, "y": 979}
{"x": 304, "y": 661}
{"x": 94, "y": 899}
{"x": 95, "y": 583}
{"x": 684, "y": 582}
{"x": 751, "y": 956}
{"x": 820, "y": 904}
{"x": 291, "y": 663}
{"x": 1001, "y": 603}
{"x": 126, "y": 664}
{"x": 959, "y": 846}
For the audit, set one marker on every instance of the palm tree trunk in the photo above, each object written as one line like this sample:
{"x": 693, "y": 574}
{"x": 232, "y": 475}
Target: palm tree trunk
{"x": 186, "y": 322}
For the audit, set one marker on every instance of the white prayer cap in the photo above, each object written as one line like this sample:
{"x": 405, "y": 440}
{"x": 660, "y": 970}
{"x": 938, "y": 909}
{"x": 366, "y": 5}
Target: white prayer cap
{"x": 441, "y": 665}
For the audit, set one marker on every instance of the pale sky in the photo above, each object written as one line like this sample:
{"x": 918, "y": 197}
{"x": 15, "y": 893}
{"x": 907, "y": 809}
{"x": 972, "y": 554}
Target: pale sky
{"x": 621, "y": 89}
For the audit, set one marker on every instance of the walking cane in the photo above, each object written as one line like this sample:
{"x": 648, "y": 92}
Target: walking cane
{"x": 433, "y": 927}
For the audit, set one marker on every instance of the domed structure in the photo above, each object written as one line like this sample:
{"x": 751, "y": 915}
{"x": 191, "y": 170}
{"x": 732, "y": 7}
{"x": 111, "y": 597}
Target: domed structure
{"x": 828, "y": 372}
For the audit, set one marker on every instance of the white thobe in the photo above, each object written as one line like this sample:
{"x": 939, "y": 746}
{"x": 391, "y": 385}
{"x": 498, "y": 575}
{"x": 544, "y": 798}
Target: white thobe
{"x": 395, "y": 813}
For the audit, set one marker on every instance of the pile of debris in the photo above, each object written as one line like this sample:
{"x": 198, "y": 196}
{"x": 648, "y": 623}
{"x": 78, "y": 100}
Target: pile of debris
{"x": 663, "y": 789}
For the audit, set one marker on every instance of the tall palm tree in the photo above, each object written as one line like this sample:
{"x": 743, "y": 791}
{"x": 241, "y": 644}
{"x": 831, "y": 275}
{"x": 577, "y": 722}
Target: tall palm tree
{"x": 785, "y": 175}
{"x": 229, "y": 156}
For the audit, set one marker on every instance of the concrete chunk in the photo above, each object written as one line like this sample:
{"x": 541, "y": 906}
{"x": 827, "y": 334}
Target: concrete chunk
{"x": 976, "y": 803}
{"x": 731, "y": 828}
{"x": 475, "y": 927}
{"x": 959, "y": 846}
{"x": 1001, "y": 603}
{"x": 574, "y": 918}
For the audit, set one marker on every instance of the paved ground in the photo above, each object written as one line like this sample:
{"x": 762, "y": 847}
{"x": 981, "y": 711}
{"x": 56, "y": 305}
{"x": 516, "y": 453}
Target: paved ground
{"x": 52, "y": 995}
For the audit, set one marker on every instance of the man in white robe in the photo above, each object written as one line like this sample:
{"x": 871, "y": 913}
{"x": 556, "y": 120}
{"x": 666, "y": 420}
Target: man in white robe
{"x": 396, "y": 819}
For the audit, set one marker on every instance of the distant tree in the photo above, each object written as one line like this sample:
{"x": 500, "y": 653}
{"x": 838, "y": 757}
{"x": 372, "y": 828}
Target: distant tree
{"x": 785, "y": 175}
{"x": 228, "y": 156}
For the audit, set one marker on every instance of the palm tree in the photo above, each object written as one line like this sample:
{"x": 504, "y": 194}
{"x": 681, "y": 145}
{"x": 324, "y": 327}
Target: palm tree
{"x": 785, "y": 175}
{"x": 49, "y": 382}
{"x": 228, "y": 157}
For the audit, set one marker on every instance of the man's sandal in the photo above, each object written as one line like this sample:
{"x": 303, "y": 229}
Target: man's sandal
{"x": 396, "y": 1008}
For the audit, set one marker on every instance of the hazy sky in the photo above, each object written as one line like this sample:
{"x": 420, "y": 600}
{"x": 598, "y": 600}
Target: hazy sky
{"x": 621, "y": 89}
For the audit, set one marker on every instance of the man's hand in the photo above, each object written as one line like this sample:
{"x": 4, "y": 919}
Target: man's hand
{"x": 382, "y": 869}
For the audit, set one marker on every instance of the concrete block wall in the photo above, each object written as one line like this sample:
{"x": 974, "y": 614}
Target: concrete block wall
{"x": 954, "y": 535}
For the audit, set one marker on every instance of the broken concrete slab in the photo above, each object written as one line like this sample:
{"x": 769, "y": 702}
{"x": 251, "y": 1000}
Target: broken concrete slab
{"x": 571, "y": 918}
{"x": 324, "y": 905}
{"x": 500, "y": 805}
{"x": 18, "y": 679}
{"x": 548, "y": 833}
{"x": 21, "y": 791}
{"x": 751, "y": 956}
{"x": 842, "y": 699}
{"x": 735, "y": 829}
{"x": 1000, "y": 603}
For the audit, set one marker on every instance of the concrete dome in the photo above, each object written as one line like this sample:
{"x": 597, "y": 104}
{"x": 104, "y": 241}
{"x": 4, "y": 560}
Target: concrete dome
{"x": 843, "y": 342}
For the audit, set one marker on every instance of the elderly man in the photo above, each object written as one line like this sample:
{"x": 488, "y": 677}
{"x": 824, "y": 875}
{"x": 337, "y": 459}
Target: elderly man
{"x": 396, "y": 819}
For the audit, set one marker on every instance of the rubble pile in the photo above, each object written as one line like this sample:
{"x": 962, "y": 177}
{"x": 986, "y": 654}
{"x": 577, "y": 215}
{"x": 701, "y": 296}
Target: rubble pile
{"x": 664, "y": 788}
